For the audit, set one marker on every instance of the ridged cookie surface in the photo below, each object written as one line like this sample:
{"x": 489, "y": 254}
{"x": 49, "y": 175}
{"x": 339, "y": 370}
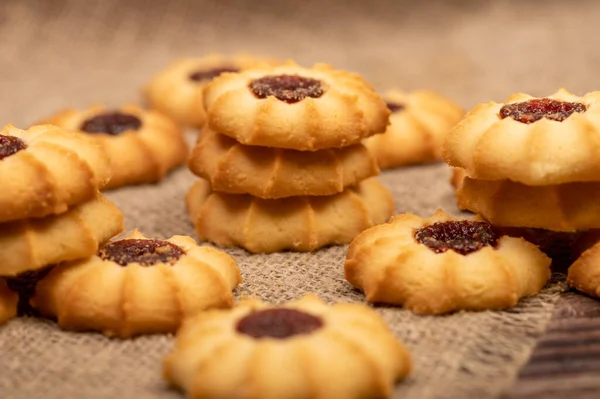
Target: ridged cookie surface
{"x": 138, "y": 285}
{"x": 297, "y": 223}
{"x": 45, "y": 169}
{"x": 302, "y": 349}
{"x": 270, "y": 173}
{"x": 35, "y": 243}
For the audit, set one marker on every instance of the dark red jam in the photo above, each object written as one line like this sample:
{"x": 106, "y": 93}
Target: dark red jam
{"x": 288, "y": 88}
{"x": 209, "y": 74}
{"x": 112, "y": 123}
{"x": 394, "y": 107}
{"x": 461, "y": 236}
{"x": 10, "y": 145}
{"x": 24, "y": 284}
{"x": 144, "y": 252}
{"x": 534, "y": 110}
{"x": 279, "y": 323}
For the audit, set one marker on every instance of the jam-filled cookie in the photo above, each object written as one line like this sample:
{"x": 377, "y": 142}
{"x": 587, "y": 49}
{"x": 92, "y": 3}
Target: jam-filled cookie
{"x": 44, "y": 170}
{"x": 294, "y": 107}
{"x": 143, "y": 145}
{"x": 418, "y": 125}
{"x": 299, "y": 223}
{"x": 35, "y": 243}
{"x": 534, "y": 141}
{"x": 561, "y": 207}
{"x": 276, "y": 173}
{"x": 178, "y": 89}
{"x": 443, "y": 264}
{"x": 138, "y": 285}
{"x": 584, "y": 273}
{"x": 8, "y": 302}
{"x": 302, "y": 349}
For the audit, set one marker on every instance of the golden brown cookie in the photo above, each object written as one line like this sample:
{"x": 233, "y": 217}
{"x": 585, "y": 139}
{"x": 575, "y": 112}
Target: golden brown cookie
{"x": 562, "y": 207}
{"x": 8, "y": 302}
{"x": 303, "y": 349}
{"x": 44, "y": 170}
{"x": 457, "y": 177}
{"x": 584, "y": 273}
{"x": 270, "y": 173}
{"x": 35, "y": 243}
{"x": 443, "y": 264}
{"x": 419, "y": 123}
{"x": 143, "y": 145}
{"x": 534, "y": 141}
{"x": 138, "y": 285}
{"x": 177, "y": 90}
{"x": 294, "y": 107}
{"x": 298, "y": 223}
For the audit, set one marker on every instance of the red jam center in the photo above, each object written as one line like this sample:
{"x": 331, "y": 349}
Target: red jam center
{"x": 287, "y": 88}
{"x": 394, "y": 107}
{"x": 534, "y": 110}
{"x": 279, "y": 323}
{"x": 210, "y": 74}
{"x": 10, "y": 145}
{"x": 144, "y": 252}
{"x": 461, "y": 236}
{"x": 111, "y": 123}
{"x": 24, "y": 284}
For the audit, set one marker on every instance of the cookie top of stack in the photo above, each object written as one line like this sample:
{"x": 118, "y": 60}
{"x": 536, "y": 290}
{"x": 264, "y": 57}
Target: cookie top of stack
{"x": 533, "y": 141}
{"x": 296, "y": 108}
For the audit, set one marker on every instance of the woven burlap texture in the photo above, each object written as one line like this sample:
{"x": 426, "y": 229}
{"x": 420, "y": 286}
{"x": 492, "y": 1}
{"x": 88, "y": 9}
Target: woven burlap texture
{"x": 69, "y": 53}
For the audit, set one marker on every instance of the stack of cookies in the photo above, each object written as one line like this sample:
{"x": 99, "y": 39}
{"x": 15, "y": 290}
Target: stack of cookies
{"x": 532, "y": 164}
{"x": 51, "y": 209}
{"x": 282, "y": 162}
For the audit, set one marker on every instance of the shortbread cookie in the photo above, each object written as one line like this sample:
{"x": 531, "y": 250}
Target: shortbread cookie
{"x": 418, "y": 125}
{"x": 562, "y": 207}
{"x": 457, "y": 177}
{"x": 558, "y": 245}
{"x": 44, "y": 170}
{"x": 35, "y": 243}
{"x": 8, "y": 302}
{"x": 443, "y": 264}
{"x": 276, "y": 173}
{"x": 584, "y": 273}
{"x": 138, "y": 286}
{"x": 302, "y": 349}
{"x": 143, "y": 145}
{"x": 294, "y": 107}
{"x": 534, "y": 141}
{"x": 298, "y": 223}
{"x": 178, "y": 89}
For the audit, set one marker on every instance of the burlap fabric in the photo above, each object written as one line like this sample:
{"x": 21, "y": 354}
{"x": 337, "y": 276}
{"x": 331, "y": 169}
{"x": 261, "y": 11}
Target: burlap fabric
{"x": 56, "y": 54}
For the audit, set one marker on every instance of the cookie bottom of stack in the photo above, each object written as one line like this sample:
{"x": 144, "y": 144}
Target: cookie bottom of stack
{"x": 303, "y": 223}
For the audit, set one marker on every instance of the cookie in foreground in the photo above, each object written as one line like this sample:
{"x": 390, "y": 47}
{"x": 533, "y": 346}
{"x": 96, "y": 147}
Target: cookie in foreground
{"x": 443, "y": 264}
{"x": 33, "y": 244}
{"x": 529, "y": 140}
{"x": 8, "y": 302}
{"x": 301, "y": 349}
{"x": 45, "y": 169}
{"x": 296, "y": 223}
{"x": 177, "y": 90}
{"x": 272, "y": 173}
{"x": 419, "y": 123}
{"x": 143, "y": 145}
{"x": 293, "y": 107}
{"x": 138, "y": 285}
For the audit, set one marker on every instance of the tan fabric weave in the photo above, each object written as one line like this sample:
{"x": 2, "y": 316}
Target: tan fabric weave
{"x": 75, "y": 53}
